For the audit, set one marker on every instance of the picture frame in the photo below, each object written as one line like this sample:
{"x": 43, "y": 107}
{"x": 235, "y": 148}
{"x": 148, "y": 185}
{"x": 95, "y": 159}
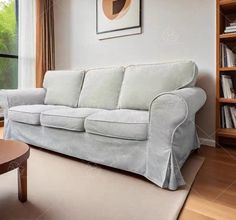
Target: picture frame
{"x": 116, "y": 18}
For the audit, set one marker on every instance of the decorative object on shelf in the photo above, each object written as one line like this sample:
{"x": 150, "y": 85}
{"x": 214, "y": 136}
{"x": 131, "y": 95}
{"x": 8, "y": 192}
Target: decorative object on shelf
{"x": 118, "y": 18}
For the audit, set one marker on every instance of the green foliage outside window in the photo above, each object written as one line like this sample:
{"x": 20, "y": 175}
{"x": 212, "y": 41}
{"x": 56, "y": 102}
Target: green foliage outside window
{"x": 8, "y": 44}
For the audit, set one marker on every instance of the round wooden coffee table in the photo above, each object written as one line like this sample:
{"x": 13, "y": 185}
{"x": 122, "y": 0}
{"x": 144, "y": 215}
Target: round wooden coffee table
{"x": 14, "y": 155}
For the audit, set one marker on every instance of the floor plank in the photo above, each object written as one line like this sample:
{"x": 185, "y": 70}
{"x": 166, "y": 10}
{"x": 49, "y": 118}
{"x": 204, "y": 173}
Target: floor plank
{"x": 211, "y": 209}
{"x": 189, "y": 214}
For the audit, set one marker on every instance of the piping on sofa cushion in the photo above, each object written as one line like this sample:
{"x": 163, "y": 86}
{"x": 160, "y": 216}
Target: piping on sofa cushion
{"x": 29, "y": 114}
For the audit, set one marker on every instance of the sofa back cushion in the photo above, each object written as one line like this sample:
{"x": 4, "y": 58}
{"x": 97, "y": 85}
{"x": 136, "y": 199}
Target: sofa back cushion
{"x": 63, "y": 87}
{"x": 142, "y": 83}
{"x": 101, "y": 88}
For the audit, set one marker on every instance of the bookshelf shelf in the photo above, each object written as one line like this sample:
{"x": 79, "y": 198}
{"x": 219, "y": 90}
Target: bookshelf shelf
{"x": 228, "y": 69}
{"x": 227, "y": 133}
{"x": 227, "y": 101}
{"x": 228, "y": 6}
{"x": 228, "y": 37}
{"x": 227, "y": 2}
{"x": 226, "y": 17}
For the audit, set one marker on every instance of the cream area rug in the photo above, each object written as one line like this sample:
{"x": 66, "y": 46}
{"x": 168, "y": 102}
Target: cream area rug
{"x": 63, "y": 188}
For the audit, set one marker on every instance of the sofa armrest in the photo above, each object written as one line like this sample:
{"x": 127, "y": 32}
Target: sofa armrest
{"x": 172, "y": 134}
{"x": 173, "y": 108}
{"x": 10, "y": 98}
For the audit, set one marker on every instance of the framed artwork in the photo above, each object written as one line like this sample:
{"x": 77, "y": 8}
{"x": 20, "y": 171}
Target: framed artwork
{"x": 118, "y": 18}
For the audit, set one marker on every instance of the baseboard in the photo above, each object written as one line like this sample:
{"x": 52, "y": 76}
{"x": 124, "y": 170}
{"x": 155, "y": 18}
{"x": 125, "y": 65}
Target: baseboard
{"x": 207, "y": 142}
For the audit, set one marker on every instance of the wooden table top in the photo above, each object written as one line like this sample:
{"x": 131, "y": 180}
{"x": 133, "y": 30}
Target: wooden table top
{"x": 12, "y": 155}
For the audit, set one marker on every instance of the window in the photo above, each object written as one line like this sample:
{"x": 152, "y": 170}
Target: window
{"x": 8, "y": 44}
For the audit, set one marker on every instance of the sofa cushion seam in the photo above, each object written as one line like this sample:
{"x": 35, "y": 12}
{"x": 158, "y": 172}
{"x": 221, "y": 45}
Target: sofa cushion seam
{"x": 60, "y": 127}
{"x": 116, "y": 122}
{"x": 113, "y": 136}
{"x": 63, "y": 116}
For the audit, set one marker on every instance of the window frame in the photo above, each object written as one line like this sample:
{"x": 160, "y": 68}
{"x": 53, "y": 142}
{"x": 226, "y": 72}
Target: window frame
{"x": 3, "y": 55}
{"x": 11, "y": 56}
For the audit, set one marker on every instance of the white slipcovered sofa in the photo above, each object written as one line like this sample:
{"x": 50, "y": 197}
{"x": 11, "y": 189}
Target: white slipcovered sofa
{"x": 139, "y": 118}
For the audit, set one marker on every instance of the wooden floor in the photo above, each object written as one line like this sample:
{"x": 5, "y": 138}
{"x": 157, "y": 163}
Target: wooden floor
{"x": 213, "y": 195}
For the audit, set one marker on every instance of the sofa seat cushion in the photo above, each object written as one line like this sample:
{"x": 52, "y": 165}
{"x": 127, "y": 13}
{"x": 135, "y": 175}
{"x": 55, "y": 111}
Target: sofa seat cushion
{"x": 123, "y": 124}
{"x": 29, "y": 114}
{"x": 67, "y": 118}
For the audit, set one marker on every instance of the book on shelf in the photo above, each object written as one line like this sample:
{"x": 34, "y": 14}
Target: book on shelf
{"x": 223, "y": 125}
{"x": 228, "y": 87}
{"x": 228, "y": 116}
{"x": 230, "y": 30}
{"x": 232, "y": 114}
{"x": 228, "y": 57}
{"x": 232, "y": 24}
{"x": 231, "y": 27}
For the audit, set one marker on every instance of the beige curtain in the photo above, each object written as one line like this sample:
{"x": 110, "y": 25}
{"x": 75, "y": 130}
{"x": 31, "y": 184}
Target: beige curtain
{"x": 45, "y": 39}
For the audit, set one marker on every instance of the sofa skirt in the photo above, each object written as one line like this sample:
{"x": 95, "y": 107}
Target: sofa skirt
{"x": 128, "y": 155}
{"x": 118, "y": 153}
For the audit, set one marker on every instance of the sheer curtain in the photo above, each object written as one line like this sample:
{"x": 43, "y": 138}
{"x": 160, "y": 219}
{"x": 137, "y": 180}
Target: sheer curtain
{"x": 27, "y": 44}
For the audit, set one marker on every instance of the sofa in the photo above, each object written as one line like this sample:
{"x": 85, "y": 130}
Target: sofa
{"x": 138, "y": 118}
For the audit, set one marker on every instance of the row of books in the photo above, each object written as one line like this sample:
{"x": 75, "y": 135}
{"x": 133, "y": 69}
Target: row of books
{"x": 227, "y": 84}
{"x": 228, "y": 116}
{"x": 228, "y": 57}
{"x": 231, "y": 27}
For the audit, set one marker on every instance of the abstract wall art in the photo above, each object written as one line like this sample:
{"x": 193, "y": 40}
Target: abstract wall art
{"x": 118, "y": 18}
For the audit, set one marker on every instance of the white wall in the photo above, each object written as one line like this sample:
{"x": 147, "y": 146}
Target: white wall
{"x": 172, "y": 30}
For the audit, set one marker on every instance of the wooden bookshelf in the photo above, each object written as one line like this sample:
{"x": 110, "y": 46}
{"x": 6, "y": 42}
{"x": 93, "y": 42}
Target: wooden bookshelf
{"x": 225, "y": 10}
